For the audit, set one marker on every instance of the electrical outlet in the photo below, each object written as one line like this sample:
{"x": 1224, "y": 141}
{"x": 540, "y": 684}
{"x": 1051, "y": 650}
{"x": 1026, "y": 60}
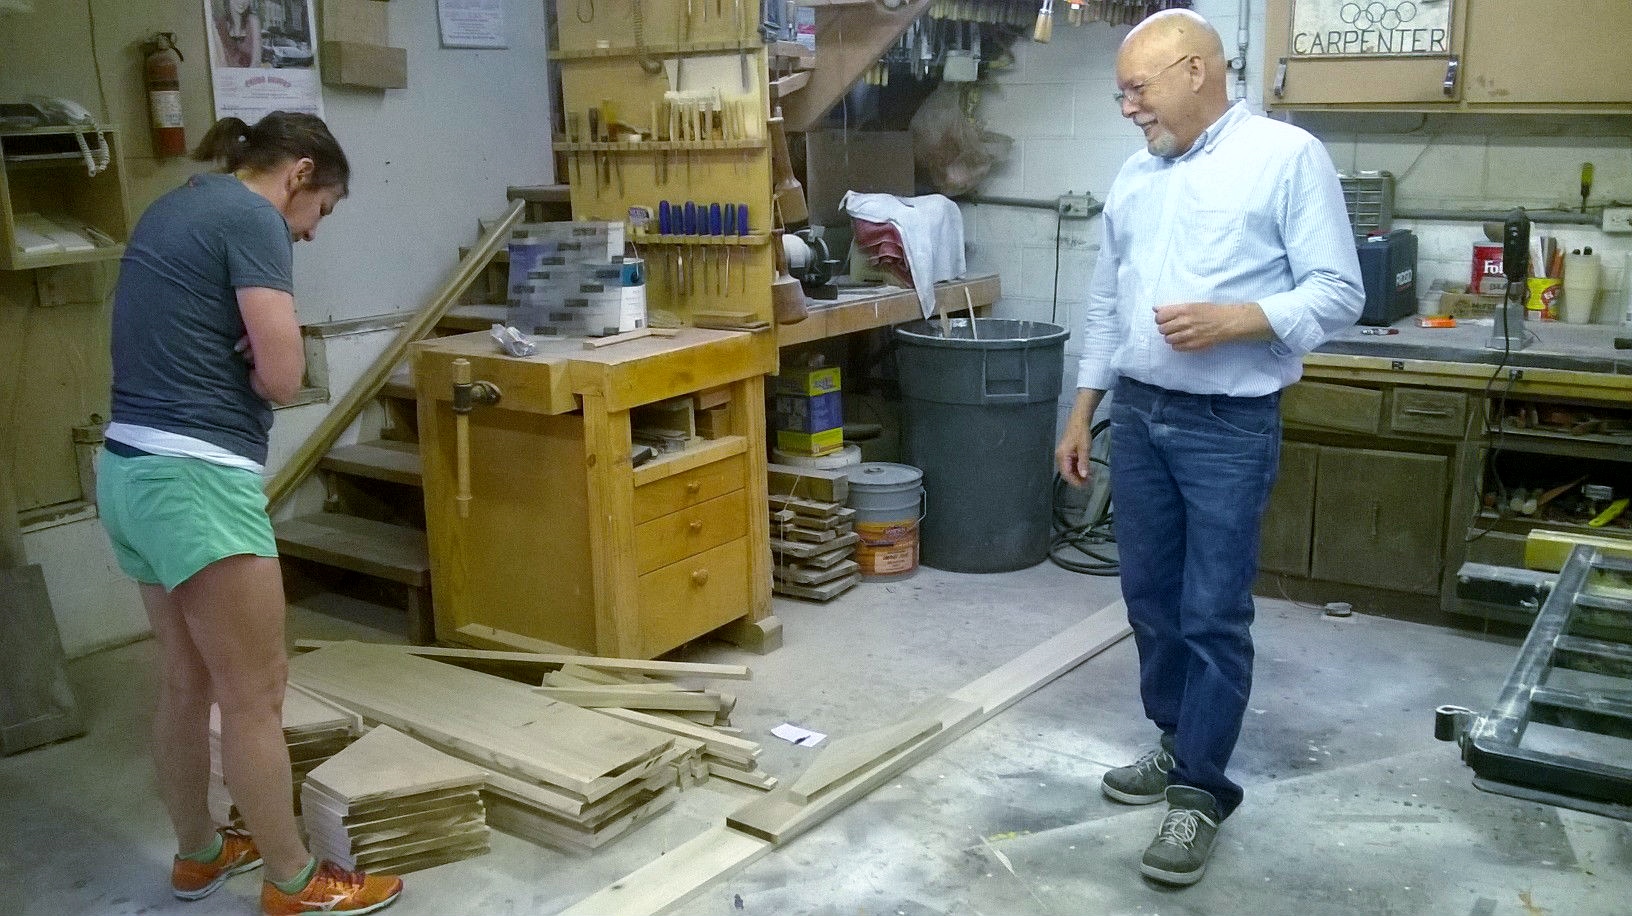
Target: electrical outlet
{"x": 1618, "y": 219}
{"x": 1074, "y": 206}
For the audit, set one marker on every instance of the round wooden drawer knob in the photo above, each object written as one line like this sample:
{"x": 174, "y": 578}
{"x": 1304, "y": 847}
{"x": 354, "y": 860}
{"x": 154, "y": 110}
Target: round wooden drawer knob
{"x": 693, "y": 488}
{"x": 699, "y": 577}
{"x": 696, "y": 526}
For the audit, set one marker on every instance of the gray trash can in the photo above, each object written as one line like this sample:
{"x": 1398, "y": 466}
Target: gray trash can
{"x": 978, "y": 419}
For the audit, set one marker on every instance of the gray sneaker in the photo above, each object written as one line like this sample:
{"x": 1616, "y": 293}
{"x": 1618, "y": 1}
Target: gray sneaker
{"x": 1143, "y": 783}
{"x": 1179, "y": 853}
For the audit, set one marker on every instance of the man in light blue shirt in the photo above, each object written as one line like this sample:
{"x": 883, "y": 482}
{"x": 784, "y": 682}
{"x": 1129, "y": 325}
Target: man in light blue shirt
{"x": 1227, "y": 256}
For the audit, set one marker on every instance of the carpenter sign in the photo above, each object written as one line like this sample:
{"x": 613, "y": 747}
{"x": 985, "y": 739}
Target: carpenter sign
{"x": 1371, "y": 28}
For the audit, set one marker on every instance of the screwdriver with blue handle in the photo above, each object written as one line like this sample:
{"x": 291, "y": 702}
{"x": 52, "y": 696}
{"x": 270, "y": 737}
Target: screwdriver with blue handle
{"x": 689, "y": 228}
{"x": 715, "y": 230}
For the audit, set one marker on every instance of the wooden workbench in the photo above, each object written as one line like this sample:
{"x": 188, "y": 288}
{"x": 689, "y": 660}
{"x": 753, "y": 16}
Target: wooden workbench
{"x": 565, "y": 540}
{"x": 1391, "y": 449}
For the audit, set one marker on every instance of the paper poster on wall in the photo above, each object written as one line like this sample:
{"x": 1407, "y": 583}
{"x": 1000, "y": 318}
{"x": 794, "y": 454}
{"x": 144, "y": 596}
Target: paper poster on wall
{"x": 263, "y": 57}
{"x": 471, "y": 23}
{"x": 1371, "y": 28}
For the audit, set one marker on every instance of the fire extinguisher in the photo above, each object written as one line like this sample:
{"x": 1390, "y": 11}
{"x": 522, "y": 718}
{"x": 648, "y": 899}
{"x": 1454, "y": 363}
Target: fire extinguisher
{"x": 162, "y": 71}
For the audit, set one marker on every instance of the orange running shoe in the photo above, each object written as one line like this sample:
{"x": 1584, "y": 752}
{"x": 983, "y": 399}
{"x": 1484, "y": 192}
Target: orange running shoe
{"x": 333, "y": 890}
{"x": 192, "y": 880}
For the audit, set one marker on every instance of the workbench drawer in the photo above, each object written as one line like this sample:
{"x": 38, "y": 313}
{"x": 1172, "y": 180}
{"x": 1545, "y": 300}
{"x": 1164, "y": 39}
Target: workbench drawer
{"x": 684, "y": 600}
{"x": 678, "y": 535}
{"x": 689, "y": 488}
{"x": 1433, "y": 413}
{"x": 1325, "y": 406}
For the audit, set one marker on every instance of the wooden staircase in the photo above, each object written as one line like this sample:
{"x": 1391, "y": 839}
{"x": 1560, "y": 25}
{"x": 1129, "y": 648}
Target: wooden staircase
{"x": 369, "y": 539}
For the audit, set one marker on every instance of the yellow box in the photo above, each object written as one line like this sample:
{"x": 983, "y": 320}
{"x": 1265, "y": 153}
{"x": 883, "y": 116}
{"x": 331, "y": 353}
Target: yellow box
{"x": 825, "y": 442}
{"x": 808, "y": 382}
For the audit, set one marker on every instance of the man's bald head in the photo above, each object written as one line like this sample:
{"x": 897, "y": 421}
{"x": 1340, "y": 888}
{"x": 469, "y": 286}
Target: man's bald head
{"x": 1172, "y": 72}
{"x": 1177, "y": 32}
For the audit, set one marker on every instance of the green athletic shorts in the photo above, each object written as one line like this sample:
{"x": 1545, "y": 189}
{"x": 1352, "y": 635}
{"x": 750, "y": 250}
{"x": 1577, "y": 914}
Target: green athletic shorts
{"x": 168, "y": 518}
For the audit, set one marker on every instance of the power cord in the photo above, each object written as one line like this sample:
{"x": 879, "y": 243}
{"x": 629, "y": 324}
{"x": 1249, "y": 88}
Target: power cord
{"x": 1088, "y": 545}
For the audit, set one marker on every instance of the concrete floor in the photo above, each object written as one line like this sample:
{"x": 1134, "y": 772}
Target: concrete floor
{"x": 1351, "y": 807}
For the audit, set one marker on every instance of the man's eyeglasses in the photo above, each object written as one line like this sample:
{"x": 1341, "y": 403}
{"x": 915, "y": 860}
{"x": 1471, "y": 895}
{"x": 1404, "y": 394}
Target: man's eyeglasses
{"x": 1137, "y": 91}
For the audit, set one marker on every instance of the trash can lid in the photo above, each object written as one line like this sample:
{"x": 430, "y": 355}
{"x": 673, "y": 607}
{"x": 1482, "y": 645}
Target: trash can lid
{"x": 884, "y": 474}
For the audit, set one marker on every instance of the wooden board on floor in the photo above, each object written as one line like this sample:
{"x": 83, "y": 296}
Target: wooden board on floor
{"x": 385, "y": 763}
{"x": 846, "y": 755}
{"x": 633, "y": 696}
{"x": 781, "y": 547}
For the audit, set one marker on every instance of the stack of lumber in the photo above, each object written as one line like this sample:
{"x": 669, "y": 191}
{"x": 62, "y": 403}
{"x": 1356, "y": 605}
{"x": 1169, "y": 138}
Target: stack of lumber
{"x": 390, "y": 803}
{"x": 650, "y": 701}
{"x": 558, "y": 774}
{"x": 315, "y": 731}
{"x": 812, "y": 532}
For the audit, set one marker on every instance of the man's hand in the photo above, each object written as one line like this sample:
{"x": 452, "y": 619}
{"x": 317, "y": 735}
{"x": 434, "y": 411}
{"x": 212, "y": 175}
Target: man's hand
{"x": 1190, "y": 326}
{"x": 1077, "y": 442}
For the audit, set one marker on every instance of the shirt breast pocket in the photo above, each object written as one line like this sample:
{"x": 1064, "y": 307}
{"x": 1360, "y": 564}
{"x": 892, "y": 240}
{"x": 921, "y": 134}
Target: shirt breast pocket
{"x": 1211, "y": 241}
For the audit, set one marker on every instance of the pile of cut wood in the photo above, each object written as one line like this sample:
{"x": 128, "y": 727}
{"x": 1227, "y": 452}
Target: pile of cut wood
{"x": 577, "y": 751}
{"x": 389, "y": 803}
{"x": 812, "y": 532}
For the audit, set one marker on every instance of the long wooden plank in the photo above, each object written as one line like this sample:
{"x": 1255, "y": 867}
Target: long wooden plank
{"x": 716, "y": 743}
{"x": 674, "y": 878}
{"x": 651, "y": 668}
{"x": 845, "y": 756}
{"x": 671, "y": 879}
{"x": 633, "y": 696}
{"x": 335, "y": 422}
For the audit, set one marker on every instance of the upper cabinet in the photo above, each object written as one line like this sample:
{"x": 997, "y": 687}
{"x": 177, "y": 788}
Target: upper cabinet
{"x": 1448, "y": 55}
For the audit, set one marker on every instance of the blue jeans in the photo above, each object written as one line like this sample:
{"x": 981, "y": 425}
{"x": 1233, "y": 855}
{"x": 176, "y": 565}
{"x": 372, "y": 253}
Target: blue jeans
{"x": 1190, "y": 476}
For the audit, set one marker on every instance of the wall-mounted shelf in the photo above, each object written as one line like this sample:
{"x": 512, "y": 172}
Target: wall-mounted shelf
{"x": 752, "y": 239}
{"x": 660, "y": 50}
{"x": 44, "y": 173}
{"x": 658, "y": 146}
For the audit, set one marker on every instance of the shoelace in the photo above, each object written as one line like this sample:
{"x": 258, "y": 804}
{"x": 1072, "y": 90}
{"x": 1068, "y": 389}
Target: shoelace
{"x": 1178, "y": 828}
{"x": 333, "y": 879}
{"x": 1152, "y": 762}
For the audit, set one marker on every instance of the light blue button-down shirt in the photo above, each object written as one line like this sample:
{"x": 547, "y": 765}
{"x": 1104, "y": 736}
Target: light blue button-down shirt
{"x": 1253, "y": 212}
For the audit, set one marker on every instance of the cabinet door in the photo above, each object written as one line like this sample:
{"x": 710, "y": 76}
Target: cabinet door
{"x": 1379, "y": 519}
{"x": 1364, "y": 76}
{"x": 1284, "y": 543}
{"x": 1578, "y": 55}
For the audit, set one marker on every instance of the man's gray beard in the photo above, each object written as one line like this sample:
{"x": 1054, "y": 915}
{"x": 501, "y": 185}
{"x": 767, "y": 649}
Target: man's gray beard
{"x": 1164, "y": 145}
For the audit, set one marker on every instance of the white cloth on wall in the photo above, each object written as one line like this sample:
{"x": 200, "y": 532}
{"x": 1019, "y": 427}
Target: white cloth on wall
{"x": 931, "y": 229}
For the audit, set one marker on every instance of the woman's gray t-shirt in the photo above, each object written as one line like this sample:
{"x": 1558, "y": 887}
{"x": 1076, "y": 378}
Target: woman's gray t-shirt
{"x": 175, "y": 312}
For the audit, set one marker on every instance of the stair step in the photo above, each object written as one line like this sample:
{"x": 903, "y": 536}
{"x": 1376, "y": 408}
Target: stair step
{"x": 463, "y": 319}
{"x": 400, "y": 384}
{"x": 380, "y": 459}
{"x": 372, "y": 548}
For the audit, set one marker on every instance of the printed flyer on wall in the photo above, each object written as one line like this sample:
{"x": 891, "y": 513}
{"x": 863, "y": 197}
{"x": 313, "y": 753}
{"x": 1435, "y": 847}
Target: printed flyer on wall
{"x": 263, "y": 57}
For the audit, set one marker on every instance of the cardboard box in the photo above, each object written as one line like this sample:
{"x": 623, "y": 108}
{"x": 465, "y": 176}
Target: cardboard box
{"x": 360, "y": 21}
{"x": 809, "y": 414}
{"x": 1468, "y": 305}
{"x": 351, "y": 63}
{"x": 811, "y": 381}
{"x": 825, "y": 442}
